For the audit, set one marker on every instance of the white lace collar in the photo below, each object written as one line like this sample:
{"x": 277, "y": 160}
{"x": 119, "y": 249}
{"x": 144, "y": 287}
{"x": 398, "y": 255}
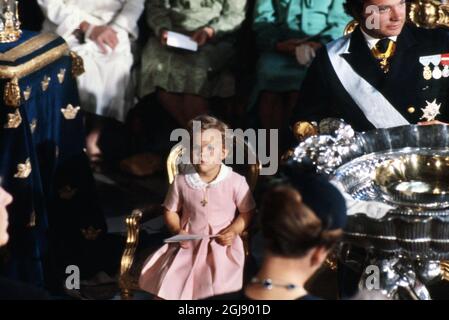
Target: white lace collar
{"x": 194, "y": 180}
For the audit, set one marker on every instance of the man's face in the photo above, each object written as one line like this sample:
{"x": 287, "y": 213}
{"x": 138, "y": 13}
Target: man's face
{"x": 384, "y": 18}
{"x": 5, "y": 199}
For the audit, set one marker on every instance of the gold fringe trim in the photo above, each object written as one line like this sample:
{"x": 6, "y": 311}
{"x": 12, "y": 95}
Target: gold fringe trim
{"x": 77, "y": 64}
{"x": 11, "y": 95}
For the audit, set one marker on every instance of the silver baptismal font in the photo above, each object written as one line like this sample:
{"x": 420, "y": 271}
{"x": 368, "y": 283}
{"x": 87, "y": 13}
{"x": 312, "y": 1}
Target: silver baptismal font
{"x": 396, "y": 183}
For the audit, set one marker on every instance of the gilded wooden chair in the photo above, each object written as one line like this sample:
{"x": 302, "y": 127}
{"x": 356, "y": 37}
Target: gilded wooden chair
{"x": 428, "y": 13}
{"x": 129, "y": 267}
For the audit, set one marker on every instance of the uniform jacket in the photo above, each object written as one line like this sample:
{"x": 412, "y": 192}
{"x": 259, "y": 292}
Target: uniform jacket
{"x": 322, "y": 94}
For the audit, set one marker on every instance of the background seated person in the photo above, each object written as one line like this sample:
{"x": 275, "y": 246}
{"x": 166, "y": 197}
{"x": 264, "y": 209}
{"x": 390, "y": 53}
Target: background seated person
{"x": 184, "y": 80}
{"x": 288, "y": 33}
{"x": 100, "y": 32}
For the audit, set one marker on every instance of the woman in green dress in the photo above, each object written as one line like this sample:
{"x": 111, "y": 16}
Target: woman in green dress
{"x": 288, "y": 33}
{"x": 182, "y": 79}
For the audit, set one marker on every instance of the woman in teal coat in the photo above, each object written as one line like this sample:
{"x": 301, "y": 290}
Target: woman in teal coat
{"x": 288, "y": 33}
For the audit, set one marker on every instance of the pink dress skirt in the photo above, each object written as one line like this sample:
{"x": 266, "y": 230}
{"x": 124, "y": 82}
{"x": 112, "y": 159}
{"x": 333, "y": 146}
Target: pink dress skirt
{"x": 205, "y": 268}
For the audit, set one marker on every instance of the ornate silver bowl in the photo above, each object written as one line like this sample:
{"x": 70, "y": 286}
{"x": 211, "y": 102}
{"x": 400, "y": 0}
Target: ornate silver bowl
{"x": 417, "y": 180}
{"x": 405, "y": 167}
{"x": 396, "y": 182}
{"x": 408, "y": 168}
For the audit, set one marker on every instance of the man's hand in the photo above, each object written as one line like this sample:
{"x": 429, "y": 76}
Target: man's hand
{"x": 305, "y": 53}
{"x": 203, "y": 35}
{"x": 226, "y": 236}
{"x": 104, "y": 36}
{"x": 429, "y": 123}
{"x": 288, "y": 47}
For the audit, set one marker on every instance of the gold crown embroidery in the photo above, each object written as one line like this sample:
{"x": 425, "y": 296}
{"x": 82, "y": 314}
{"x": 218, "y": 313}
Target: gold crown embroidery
{"x": 45, "y": 83}
{"x": 14, "y": 120}
{"x": 11, "y": 93}
{"x": 70, "y": 112}
{"x": 23, "y": 170}
{"x": 61, "y": 75}
{"x": 27, "y": 93}
{"x": 33, "y": 125}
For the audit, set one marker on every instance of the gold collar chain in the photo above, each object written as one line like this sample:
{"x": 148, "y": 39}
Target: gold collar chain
{"x": 383, "y": 57}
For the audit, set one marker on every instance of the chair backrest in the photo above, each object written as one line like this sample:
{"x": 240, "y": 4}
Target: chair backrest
{"x": 249, "y": 169}
{"x": 427, "y": 14}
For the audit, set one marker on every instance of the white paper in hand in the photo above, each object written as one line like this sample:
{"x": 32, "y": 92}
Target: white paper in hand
{"x": 182, "y": 41}
{"x": 187, "y": 237}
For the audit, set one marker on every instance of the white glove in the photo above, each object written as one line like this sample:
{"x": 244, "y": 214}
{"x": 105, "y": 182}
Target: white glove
{"x": 304, "y": 54}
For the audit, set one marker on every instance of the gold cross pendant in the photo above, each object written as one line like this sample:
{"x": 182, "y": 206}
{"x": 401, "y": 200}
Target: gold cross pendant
{"x": 203, "y": 202}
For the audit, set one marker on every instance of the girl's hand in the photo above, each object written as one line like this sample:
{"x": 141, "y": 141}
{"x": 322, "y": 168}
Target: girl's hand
{"x": 429, "y": 123}
{"x": 184, "y": 244}
{"x": 226, "y": 236}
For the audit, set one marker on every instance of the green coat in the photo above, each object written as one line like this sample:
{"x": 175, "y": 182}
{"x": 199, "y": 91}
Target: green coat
{"x": 178, "y": 71}
{"x": 224, "y": 16}
{"x": 278, "y": 20}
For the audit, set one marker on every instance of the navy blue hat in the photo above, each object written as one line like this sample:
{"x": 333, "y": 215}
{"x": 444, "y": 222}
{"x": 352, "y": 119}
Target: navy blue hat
{"x": 325, "y": 200}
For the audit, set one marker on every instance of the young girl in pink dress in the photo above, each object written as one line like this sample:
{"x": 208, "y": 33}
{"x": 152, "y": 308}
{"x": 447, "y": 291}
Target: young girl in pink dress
{"x": 202, "y": 201}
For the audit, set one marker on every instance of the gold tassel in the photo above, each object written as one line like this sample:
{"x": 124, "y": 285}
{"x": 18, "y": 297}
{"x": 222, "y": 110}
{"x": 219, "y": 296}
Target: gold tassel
{"x": 11, "y": 95}
{"x": 77, "y": 64}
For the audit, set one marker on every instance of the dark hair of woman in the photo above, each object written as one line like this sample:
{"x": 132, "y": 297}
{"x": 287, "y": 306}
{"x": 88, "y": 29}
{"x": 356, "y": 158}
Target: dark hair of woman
{"x": 290, "y": 227}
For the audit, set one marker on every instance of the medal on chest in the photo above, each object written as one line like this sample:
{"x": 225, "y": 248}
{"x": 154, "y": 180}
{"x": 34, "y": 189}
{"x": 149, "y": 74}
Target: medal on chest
{"x": 445, "y": 64}
{"x": 436, "y": 73}
{"x": 431, "y": 111}
{"x": 427, "y": 72}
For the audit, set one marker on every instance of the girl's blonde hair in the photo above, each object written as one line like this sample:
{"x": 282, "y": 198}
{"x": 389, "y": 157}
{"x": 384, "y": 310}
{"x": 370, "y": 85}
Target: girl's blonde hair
{"x": 209, "y": 122}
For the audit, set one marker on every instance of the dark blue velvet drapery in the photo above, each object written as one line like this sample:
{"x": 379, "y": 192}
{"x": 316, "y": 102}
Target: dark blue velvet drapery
{"x": 57, "y": 200}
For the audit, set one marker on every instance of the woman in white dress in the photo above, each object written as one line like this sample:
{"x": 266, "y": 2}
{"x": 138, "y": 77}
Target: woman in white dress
{"x": 100, "y": 32}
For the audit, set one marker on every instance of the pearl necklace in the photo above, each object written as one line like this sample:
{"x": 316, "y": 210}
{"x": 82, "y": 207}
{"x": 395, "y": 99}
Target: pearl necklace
{"x": 269, "y": 284}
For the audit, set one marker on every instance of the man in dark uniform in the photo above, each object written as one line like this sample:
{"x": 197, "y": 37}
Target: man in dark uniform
{"x": 386, "y": 73}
